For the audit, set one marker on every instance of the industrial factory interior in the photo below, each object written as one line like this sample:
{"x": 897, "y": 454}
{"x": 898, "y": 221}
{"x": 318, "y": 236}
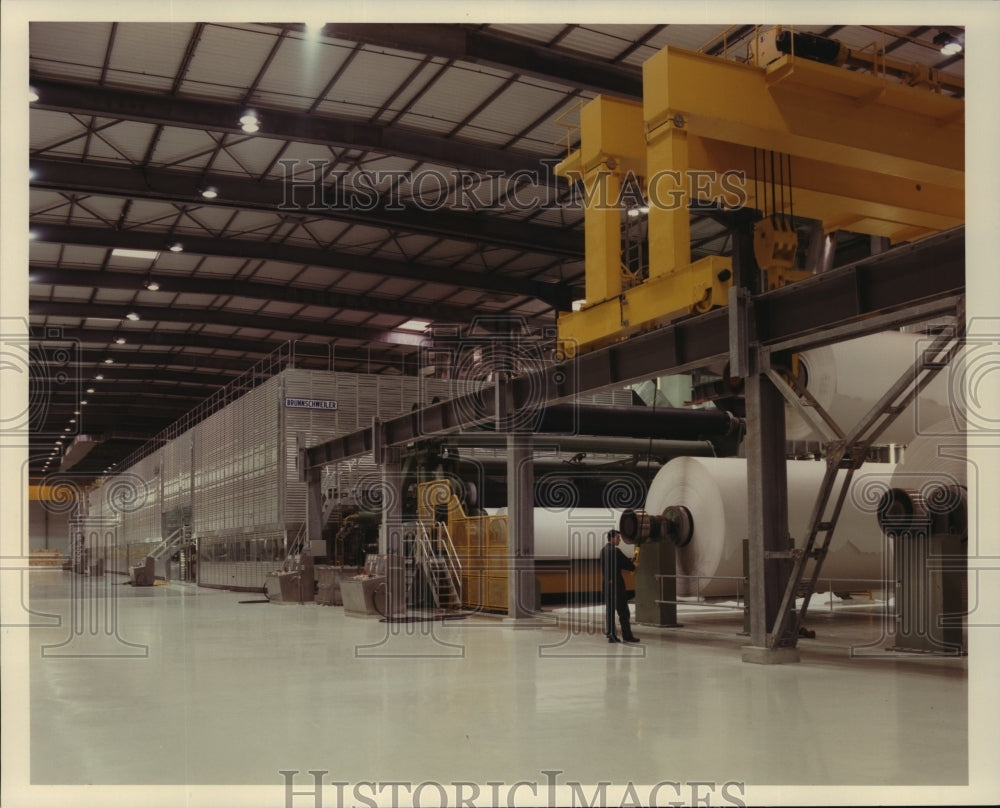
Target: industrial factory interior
{"x": 435, "y": 409}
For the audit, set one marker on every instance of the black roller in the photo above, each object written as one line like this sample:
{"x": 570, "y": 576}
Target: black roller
{"x": 899, "y": 508}
{"x": 675, "y": 525}
{"x": 678, "y": 526}
{"x": 635, "y": 526}
{"x": 810, "y": 46}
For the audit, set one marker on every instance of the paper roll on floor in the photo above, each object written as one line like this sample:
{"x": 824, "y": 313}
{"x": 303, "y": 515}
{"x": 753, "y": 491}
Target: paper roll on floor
{"x": 714, "y": 490}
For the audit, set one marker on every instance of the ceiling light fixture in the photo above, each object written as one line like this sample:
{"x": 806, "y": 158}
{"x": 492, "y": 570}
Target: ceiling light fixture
{"x": 145, "y": 255}
{"x": 133, "y": 316}
{"x": 249, "y": 122}
{"x": 99, "y": 377}
{"x": 211, "y": 192}
{"x": 89, "y": 390}
{"x": 120, "y": 341}
{"x": 414, "y": 325}
{"x": 175, "y": 246}
{"x": 948, "y": 43}
{"x": 109, "y": 361}
{"x": 152, "y": 286}
{"x": 83, "y": 402}
{"x": 32, "y": 95}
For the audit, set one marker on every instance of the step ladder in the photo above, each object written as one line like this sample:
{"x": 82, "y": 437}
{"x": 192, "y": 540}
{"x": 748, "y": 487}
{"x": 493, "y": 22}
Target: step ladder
{"x": 846, "y": 452}
{"x": 438, "y": 562}
{"x": 633, "y": 255}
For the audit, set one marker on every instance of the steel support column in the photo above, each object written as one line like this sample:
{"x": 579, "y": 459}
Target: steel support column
{"x": 521, "y": 527}
{"x": 314, "y": 505}
{"x": 767, "y": 510}
{"x": 390, "y": 539}
{"x": 767, "y": 485}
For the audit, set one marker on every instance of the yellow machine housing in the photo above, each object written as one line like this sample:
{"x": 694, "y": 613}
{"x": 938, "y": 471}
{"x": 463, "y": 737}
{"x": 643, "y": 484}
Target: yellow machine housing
{"x": 481, "y": 543}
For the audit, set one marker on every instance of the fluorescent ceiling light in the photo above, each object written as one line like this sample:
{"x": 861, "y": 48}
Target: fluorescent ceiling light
{"x": 148, "y": 255}
{"x": 414, "y": 325}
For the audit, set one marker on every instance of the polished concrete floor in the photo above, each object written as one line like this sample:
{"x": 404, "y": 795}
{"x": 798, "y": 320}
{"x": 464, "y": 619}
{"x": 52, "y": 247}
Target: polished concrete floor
{"x": 176, "y": 684}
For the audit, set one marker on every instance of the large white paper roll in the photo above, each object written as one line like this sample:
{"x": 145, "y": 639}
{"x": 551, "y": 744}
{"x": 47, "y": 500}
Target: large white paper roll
{"x": 714, "y": 490}
{"x": 573, "y": 533}
{"x": 849, "y": 378}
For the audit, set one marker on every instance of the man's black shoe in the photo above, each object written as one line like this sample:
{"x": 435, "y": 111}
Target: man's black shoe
{"x": 613, "y": 639}
{"x": 632, "y": 639}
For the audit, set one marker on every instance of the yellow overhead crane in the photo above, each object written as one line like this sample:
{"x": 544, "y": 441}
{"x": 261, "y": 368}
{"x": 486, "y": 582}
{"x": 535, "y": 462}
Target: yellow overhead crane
{"x": 877, "y": 151}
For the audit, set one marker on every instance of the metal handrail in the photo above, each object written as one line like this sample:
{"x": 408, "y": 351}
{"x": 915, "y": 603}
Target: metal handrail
{"x": 425, "y": 554}
{"x": 175, "y": 538}
{"x": 740, "y": 596}
{"x": 454, "y": 565}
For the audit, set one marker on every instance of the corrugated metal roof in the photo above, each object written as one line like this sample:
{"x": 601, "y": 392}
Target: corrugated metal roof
{"x": 122, "y": 142}
{"x": 357, "y": 282}
{"x": 457, "y": 93}
{"x": 50, "y": 130}
{"x": 688, "y": 35}
{"x": 72, "y": 294}
{"x": 521, "y": 104}
{"x": 371, "y": 78}
{"x": 148, "y": 55}
{"x": 606, "y": 41}
{"x": 77, "y": 48}
{"x": 299, "y": 72}
{"x": 213, "y": 67}
{"x": 183, "y": 148}
{"x": 539, "y": 32}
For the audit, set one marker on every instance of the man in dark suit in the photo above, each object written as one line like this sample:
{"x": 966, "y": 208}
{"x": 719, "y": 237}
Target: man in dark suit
{"x": 613, "y": 562}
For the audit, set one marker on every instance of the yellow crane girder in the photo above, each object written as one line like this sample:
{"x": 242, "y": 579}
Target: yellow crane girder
{"x": 863, "y": 153}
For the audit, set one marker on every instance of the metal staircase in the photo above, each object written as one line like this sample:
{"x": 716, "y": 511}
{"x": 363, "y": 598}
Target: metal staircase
{"x": 298, "y": 543}
{"x": 159, "y": 553}
{"x": 437, "y": 560}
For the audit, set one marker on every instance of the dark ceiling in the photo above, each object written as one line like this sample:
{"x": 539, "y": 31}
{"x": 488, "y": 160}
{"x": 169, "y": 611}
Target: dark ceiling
{"x": 431, "y": 144}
